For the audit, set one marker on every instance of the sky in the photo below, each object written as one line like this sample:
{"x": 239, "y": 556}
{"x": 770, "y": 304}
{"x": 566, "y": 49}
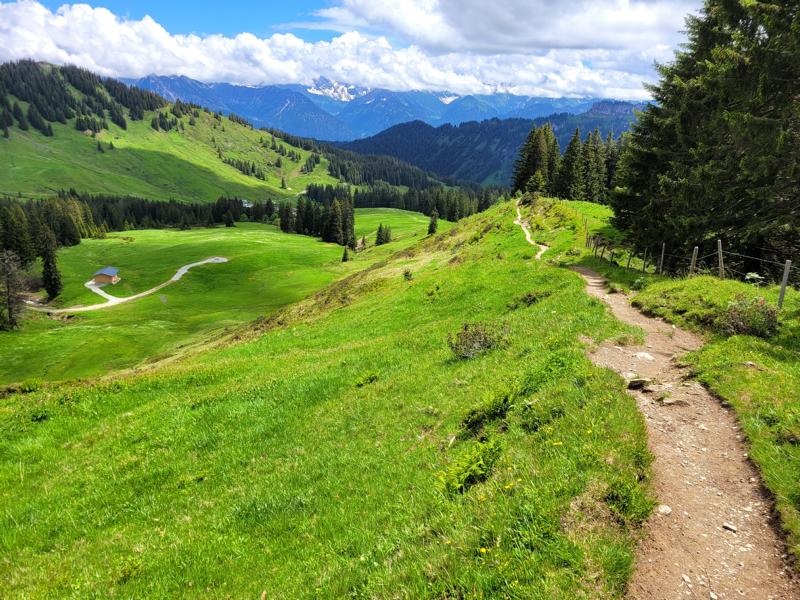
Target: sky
{"x": 599, "y": 48}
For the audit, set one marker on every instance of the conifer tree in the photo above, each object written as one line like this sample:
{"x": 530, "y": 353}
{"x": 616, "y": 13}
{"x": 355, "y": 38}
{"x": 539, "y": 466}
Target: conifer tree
{"x": 51, "y": 276}
{"x": 569, "y": 181}
{"x": 12, "y": 286}
{"x": 380, "y": 238}
{"x": 345, "y": 255}
{"x": 433, "y": 225}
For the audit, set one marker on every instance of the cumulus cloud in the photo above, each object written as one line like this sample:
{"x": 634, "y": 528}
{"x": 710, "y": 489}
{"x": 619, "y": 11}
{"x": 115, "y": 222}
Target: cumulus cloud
{"x": 464, "y": 46}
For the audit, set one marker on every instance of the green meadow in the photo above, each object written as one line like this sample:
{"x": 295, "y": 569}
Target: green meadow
{"x": 180, "y": 165}
{"x": 268, "y": 269}
{"x": 353, "y": 444}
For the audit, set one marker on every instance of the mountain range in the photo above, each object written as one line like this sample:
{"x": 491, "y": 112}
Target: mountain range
{"x": 329, "y": 110}
{"x": 485, "y": 151}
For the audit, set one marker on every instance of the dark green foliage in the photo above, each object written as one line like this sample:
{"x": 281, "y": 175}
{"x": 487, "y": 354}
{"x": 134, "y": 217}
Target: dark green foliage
{"x": 12, "y": 286}
{"x": 433, "y": 225}
{"x": 569, "y": 179}
{"x": 22, "y": 122}
{"x": 51, "y": 277}
{"x": 345, "y": 255}
{"x": 384, "y": 235}
{"x": 332, "y": 218}
{"x": 50, "y": 99}
{"x": 485, "y": 152}
{"x": 716, "y": 155}
{"x": 247, "y": 167}
{"x": 537, "y": 165}
{"x": 229, "y": 220}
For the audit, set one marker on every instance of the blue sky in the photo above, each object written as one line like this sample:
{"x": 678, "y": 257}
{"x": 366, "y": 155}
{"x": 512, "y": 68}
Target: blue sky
{"x": 599, "y": 48}
{"x": 229, "y": 18}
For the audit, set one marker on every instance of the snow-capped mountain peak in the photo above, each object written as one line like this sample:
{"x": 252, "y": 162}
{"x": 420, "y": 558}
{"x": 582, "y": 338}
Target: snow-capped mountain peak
{"x": 448, "y": 99}
{"x": 335, "y": 90}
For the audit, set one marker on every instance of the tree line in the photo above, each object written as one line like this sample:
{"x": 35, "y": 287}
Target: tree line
{"x": 716, "y": 154}
{"x": 586, "y": 170}
{"x": 331, "y": 221}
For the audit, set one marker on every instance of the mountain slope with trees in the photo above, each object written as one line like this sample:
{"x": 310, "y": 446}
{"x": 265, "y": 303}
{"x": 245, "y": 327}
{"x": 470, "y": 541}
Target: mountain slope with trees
{"x": 485, "y": 151}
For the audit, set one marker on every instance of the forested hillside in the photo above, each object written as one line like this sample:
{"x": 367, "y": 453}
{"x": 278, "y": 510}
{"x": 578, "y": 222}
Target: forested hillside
{"x": 66, "y": 128}
{"x": 485, "y": 151}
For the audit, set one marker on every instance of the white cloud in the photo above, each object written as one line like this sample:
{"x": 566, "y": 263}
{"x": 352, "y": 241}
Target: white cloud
{"x": 580, "y": 47}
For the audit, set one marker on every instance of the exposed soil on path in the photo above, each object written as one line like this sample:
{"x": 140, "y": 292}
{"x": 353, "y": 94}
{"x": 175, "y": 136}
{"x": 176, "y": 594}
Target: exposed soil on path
{"x": 528, "y": 235}
{"x": 712, "y": 535}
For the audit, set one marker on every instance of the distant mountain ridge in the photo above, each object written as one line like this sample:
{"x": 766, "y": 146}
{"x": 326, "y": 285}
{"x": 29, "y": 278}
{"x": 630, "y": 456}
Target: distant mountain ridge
{"x": 331, "y": 110}
{"x": 484, "y": 152}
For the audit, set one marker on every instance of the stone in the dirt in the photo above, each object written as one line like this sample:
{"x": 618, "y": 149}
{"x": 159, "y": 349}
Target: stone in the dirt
{"x": 686, "y": 578}
{"x": 638, "y": 383}
{"x": 644, "y": 356}
{"x": 729, "y": 527}
{"x": 665, "y": 510}
{"x": 712, "y": 595}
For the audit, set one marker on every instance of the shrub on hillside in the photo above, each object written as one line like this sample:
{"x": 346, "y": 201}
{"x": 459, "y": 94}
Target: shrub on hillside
{"x": 473, "y": 467}
{"x": 474, "y": 339}
{"x": 490, "y": 409}
{"x": 749, "y": 316}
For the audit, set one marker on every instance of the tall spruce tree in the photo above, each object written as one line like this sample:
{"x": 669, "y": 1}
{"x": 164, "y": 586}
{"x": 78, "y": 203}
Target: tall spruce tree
{"x": 12, "y": 287}
{"x": 569, "y": 181}
{"x": 433, "y": 224}
{"x": 51, "y": 277}
{"x": 716, "y": 154}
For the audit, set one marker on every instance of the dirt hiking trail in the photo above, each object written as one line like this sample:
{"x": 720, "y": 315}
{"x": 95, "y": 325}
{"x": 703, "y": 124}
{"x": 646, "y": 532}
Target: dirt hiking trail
{"x": 712, "y": 535}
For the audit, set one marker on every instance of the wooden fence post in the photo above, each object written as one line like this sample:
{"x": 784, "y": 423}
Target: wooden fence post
{"x": 694, "y": 261}
{"x": 786, "y": 270}
{"x": 661, "y": 262}
{"x": 644, "y": 261}
{"x": 721, "y": 262}
{"x": 603, "y": 251}
{"x": 630, "y": 258}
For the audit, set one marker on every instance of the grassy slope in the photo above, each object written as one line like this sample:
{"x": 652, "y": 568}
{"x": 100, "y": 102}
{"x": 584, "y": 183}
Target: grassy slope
{"x": 307, "y": 461}
{"x": 267, "y": 269}
{"x": 159, "y": 165}
{"x": 766, "y": 397}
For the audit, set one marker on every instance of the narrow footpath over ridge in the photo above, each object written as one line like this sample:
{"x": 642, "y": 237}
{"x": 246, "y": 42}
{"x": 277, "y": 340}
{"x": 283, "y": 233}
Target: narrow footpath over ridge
{"x": 712, "y": 536}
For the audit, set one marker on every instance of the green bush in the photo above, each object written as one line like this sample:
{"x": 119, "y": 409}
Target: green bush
{"x": 530, "y": 298}
{"x": 474, "y": 339}
{"x": 749, "y": 316}
{"x": 473, "y": 467}
{"x": 491, "y": 409}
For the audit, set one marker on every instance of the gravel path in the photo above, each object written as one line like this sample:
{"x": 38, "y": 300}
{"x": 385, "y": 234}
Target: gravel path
{"x": 115, "y": 300}
{"x": 528, "y": 236}
{"x": 713, "y": 536}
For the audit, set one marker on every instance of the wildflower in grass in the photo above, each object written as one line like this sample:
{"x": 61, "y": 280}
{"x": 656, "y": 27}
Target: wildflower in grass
{"x": 484, "y": 550}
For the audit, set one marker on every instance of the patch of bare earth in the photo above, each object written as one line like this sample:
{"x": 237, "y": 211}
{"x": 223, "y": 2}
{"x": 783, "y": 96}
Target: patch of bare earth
{"x": 712, "y": 535}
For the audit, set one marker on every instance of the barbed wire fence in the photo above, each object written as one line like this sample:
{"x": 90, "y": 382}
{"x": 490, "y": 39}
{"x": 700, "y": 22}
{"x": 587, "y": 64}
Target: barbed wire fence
{"x": 721, "y": 262}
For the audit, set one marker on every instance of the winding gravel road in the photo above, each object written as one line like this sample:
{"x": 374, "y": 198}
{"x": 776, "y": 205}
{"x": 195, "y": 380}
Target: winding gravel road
{"x": 115, "y": 300}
